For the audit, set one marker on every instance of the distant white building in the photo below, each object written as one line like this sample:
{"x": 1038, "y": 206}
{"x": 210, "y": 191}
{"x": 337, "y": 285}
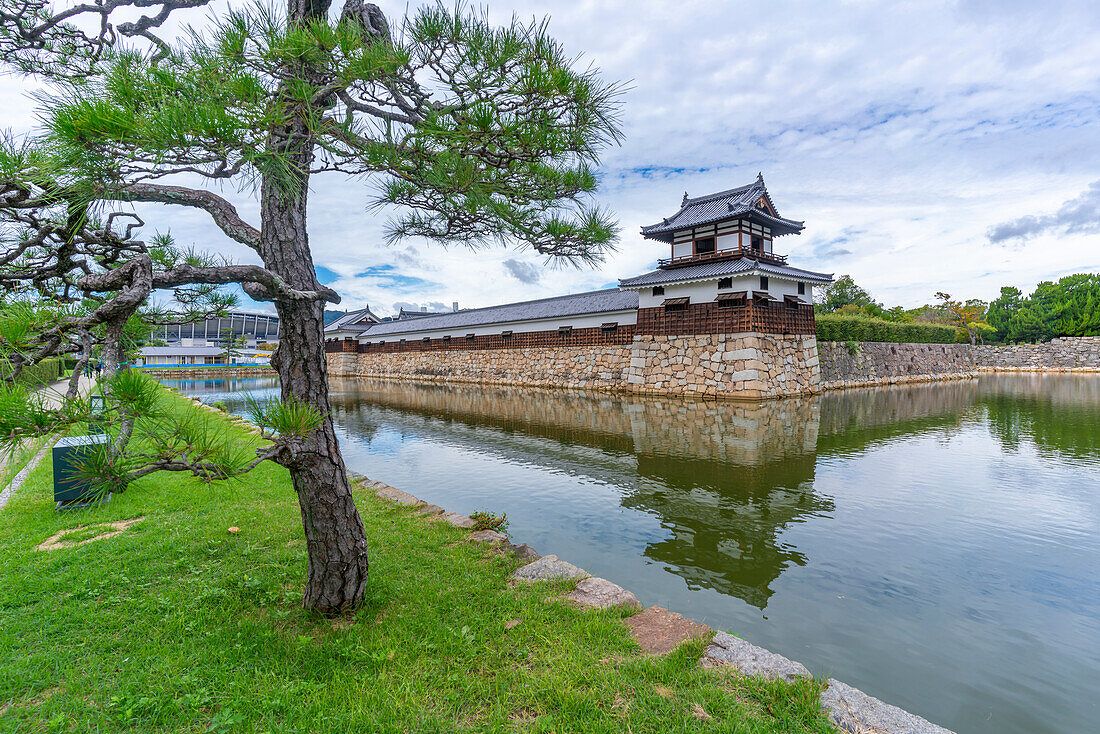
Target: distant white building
{"x": 178, "y": 355}
{"x": 254, "y": 326}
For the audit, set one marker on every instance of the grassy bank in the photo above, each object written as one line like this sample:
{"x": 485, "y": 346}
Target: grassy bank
{"x": 176, "y": 625}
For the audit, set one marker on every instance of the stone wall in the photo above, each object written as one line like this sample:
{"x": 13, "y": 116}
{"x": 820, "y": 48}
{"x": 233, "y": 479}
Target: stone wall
{"x": 885, "y": 363}
{"x": 748, "y": 365}
{"x": 579, "y": 367}
{"x": 724, "y": 365}
{"x": 727, "y": 365}
{"x": 1070, "y": 354}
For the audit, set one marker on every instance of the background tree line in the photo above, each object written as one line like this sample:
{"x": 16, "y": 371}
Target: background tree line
{"x": 1067, "y": 307}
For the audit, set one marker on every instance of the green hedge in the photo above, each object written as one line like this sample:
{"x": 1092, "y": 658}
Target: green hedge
{"x": 44, "y": 372}
{"x": 837, "y": 328}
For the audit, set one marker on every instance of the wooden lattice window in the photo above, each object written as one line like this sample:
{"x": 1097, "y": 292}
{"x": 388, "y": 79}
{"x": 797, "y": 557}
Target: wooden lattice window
{"x": 673, "y": 305}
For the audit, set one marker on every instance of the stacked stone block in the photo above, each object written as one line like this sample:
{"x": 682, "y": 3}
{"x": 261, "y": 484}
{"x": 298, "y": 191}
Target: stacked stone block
{"x": 884, "y": 363}
{"x": 1070, "y": 354}
{"x": 729, "y": 365}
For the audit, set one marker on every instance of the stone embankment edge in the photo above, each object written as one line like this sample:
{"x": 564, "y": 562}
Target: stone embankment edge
{"x": 848, "y": 708}
{"x": 1070, "y": 370}
{"x": 900, "y": 380}
{"x": 626, "y": 389}
{"x": 592, "y": 385}
{"x": 200, "y": 371}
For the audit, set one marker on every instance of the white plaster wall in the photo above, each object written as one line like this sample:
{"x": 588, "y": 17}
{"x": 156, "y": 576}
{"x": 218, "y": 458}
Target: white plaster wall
{"x": 779, "y": 288}
{"x": 707, "y": 290}
{"x": 697, "y": 292}
{"x": 583, "y": 321}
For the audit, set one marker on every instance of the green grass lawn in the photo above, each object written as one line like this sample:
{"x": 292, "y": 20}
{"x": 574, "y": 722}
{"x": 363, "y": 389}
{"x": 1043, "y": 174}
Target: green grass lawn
{"x": 177, "y": 625}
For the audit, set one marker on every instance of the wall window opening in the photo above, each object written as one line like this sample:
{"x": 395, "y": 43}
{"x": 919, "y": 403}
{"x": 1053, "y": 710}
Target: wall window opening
{"x": 674, "y": 305}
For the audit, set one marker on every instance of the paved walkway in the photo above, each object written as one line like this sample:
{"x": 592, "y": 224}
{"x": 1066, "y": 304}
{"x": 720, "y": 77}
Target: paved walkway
{"x": 52, "y": 395}
{"x": 55, "y": 391}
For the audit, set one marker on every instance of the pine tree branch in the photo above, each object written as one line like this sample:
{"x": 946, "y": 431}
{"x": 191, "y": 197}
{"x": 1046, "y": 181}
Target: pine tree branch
{"x": 220, "y": 210}
{"x": 258, "y": 282}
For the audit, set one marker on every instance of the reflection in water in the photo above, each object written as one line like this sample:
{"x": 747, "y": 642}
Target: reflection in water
{"x": 730, "y": 479}
{"x": 1056, "y": 413}
{"x": 933, "y": 544}
{"x": 212, "y": 389}
{"x": 727, "y": 478}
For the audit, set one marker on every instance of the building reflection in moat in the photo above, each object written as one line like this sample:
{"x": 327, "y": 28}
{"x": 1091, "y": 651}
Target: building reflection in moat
{"x": 724, "y": 479}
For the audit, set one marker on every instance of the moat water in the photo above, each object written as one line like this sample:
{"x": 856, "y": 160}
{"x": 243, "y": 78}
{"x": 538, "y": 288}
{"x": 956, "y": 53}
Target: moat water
{"x": 937, "y": 546}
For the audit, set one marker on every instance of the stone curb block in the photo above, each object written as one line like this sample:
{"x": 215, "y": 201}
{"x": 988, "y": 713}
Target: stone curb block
{"x": 401, "y": 498}
{"x": 524, "y": 552}
{"x": 459, "y": 521}
{"x": 659, "y": 631}
{"x": 492, "y": 537}
{"x": 597, "y": 593}
{"x": 748, "y": 659}
{"x": 853, "y": 711}
{"x": 548, "y": 568}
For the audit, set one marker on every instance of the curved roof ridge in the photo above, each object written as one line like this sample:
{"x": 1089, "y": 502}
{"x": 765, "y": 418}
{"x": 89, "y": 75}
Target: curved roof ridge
{"x": 728, "y": 192}
{"x": 728, "y": 204}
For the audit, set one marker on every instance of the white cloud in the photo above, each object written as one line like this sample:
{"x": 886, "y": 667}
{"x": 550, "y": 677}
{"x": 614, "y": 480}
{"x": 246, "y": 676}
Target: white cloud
{"x": 901, "y": 133}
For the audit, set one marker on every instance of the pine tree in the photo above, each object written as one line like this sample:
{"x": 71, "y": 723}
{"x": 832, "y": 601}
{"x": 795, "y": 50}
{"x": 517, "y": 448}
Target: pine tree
{"x": 480, "y": 135}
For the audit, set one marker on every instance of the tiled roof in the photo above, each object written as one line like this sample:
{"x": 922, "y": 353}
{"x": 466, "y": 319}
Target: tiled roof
{"x": 352, "y": 320}
{"x": 707, "y": 270}
{"x": 403, "y": 314}
{"x": 724, "y": 205}
{"x": 545, "y": 308}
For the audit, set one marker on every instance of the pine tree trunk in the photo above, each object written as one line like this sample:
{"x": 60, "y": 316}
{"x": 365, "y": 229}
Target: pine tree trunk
{"x": 112, "y": 345}
{"x": 335, "y": 539}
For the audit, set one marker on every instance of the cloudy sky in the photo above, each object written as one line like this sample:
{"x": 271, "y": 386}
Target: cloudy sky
{"x": 928, "y": 146}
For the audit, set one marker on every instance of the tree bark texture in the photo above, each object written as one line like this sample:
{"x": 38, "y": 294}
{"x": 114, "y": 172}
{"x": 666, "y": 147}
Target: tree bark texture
{"x": 335, "y": 539}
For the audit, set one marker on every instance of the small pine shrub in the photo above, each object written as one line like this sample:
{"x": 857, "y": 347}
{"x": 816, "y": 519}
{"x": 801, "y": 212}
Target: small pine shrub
{"x": 484, "y": 520}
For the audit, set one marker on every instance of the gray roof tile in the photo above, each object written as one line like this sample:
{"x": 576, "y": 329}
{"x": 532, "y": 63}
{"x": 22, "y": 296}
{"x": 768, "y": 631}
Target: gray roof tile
{"x": 352, "y": 319}
{"x": 719, "y": 269}
{"x": 723, "y": 205}
{"x": 545, "y": 308}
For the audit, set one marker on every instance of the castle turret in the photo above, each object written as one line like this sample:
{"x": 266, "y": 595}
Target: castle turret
{"x": 723, "y": 273}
